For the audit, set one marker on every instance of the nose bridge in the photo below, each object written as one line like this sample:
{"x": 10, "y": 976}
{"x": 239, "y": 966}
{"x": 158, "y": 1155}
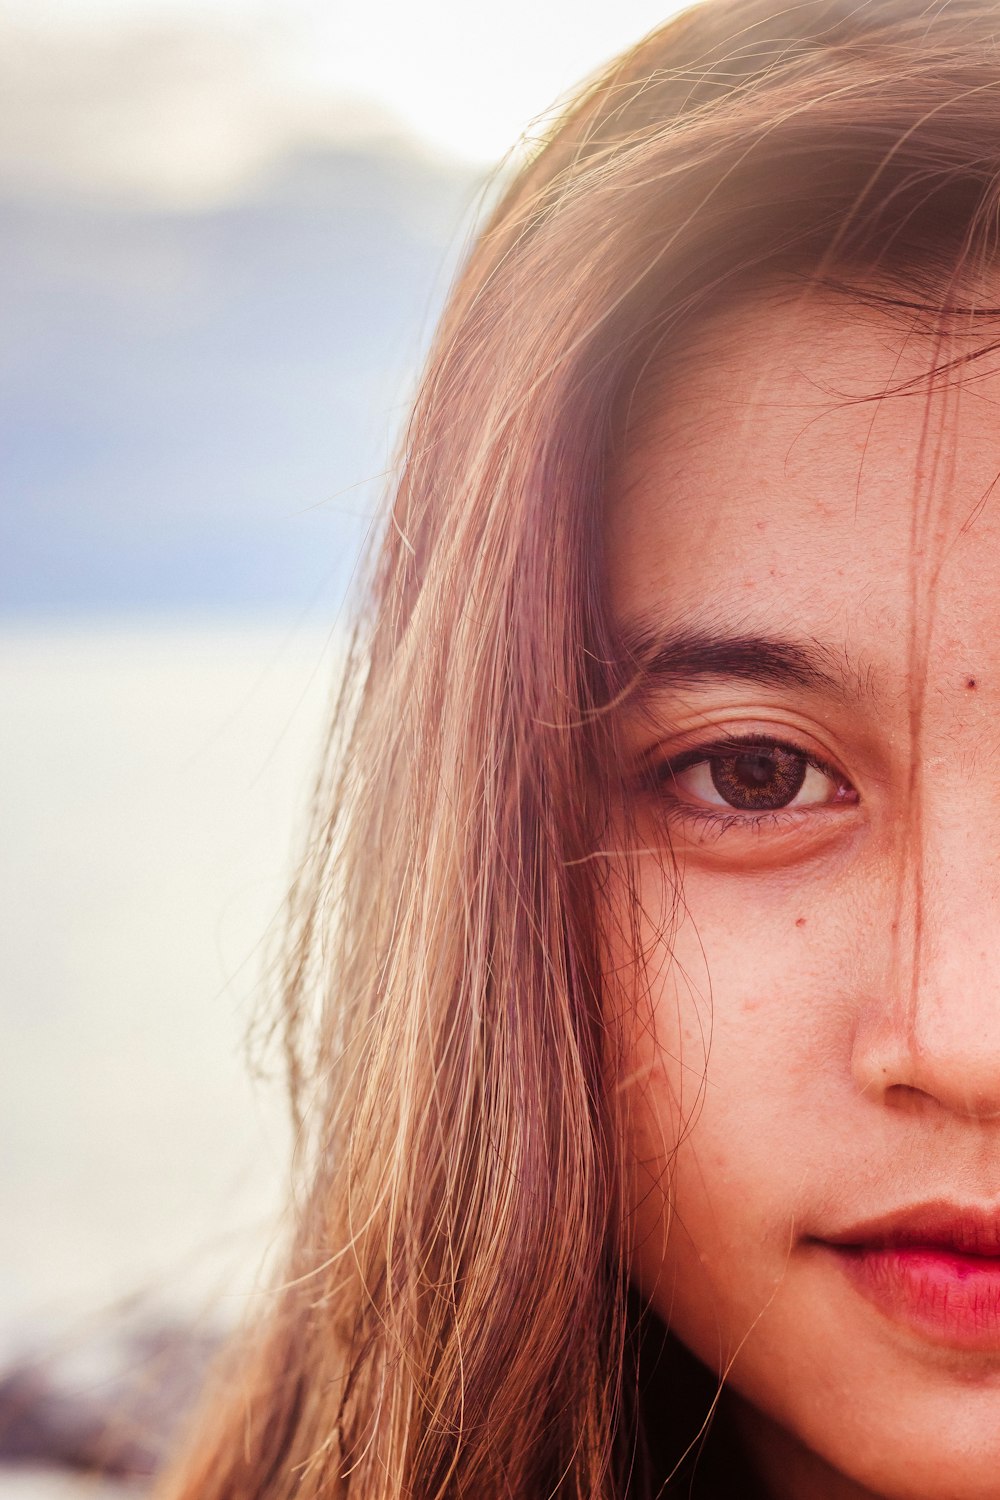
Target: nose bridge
{"x": 945, "y": 960}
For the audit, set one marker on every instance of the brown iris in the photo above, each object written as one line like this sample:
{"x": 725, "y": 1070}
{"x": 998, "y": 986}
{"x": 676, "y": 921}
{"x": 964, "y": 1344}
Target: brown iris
{"x": 758, "y": 778}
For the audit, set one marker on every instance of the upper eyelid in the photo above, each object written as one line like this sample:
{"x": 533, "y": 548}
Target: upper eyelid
{"x": 723, "y": 744}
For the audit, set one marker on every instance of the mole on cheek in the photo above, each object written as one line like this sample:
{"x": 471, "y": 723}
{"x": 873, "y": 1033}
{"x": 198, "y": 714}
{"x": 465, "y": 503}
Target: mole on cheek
{"x": 970, "y": 682}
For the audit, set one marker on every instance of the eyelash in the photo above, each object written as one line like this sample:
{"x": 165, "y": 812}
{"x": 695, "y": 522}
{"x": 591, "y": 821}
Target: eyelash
{"x": 661, "y": 773}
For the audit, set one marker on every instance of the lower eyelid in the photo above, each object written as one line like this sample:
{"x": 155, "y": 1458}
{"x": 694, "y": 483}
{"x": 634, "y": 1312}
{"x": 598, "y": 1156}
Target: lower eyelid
{"x": 719, "y": 822}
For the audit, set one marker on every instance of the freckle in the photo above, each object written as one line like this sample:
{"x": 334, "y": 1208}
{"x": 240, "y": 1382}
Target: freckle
{"x": 970, "y": 682}
{"x": 800, "y": 921}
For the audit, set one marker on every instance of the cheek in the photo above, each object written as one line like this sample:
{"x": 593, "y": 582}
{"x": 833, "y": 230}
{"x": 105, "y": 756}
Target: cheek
{"x": 737, "y": 1068}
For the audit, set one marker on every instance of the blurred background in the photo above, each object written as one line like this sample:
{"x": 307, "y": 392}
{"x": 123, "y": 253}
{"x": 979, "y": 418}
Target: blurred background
{"x": 226, "y": 229}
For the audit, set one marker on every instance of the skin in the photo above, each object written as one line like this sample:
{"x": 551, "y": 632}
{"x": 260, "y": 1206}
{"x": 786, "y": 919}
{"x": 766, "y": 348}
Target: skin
{"x": 818, "y": 1021}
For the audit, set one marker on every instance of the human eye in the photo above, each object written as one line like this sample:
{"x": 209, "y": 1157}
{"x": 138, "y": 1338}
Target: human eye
{"x": 742, "y": 781}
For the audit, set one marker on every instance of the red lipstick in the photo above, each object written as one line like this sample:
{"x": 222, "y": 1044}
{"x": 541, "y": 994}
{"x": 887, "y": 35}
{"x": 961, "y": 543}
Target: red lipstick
{"x": 934, "y": 1268}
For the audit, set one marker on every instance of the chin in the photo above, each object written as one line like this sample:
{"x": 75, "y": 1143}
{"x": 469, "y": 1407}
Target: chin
{"x": 825, "y": 1390}
{"x": 935, "y": 1472}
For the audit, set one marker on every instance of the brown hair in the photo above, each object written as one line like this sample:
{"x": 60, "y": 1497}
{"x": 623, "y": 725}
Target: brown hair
{"x": 453, "y": 1317}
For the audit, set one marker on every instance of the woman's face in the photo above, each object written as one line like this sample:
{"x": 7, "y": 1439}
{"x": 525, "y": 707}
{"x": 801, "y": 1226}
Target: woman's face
{"x": 811, "y": 536}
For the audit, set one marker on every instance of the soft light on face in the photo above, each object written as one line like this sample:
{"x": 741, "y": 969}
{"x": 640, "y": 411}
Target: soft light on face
{"x": 820, "y": 744}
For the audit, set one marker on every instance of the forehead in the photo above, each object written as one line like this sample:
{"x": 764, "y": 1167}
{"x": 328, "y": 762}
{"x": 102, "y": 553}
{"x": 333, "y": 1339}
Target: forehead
{"x": 803, "y": 469}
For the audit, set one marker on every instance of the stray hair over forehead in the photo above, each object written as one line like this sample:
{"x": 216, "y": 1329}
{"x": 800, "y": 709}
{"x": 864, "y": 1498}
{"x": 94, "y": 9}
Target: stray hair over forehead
{"x": 952, "y": 332}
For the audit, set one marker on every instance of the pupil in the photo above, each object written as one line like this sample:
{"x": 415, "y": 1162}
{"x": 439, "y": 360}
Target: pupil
{"x": 755, "y": 770}
{"x": 758, "y": 779}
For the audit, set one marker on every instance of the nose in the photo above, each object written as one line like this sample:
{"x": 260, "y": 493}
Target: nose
{"x": 929, "y": 1035}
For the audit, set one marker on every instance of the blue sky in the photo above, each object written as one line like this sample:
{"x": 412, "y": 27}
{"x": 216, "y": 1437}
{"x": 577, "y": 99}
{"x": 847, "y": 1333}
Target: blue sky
{"x": 225, "y": 231}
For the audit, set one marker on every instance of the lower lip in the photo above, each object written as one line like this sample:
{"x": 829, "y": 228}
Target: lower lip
{"x": 945, "y": 1296}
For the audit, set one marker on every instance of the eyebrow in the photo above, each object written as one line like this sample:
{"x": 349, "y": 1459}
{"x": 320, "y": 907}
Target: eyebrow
{"x": 677, "y": 658}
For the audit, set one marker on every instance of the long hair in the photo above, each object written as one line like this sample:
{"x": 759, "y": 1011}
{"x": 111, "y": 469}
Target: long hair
{"x": 453, "y": 1315}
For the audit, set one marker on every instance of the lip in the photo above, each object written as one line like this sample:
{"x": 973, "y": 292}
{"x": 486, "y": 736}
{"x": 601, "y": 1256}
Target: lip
{"x": 933, "y": 1268}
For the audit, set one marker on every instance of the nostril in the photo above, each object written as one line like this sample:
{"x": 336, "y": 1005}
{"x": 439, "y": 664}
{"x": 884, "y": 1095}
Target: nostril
{"x": 984, "y": 1106}
{"x": 908, "y": 1096}
{"x": 931, "y": 1057}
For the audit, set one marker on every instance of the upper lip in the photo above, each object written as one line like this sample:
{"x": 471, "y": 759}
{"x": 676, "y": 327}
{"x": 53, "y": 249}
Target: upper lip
{"x": 969, "y": 1230}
